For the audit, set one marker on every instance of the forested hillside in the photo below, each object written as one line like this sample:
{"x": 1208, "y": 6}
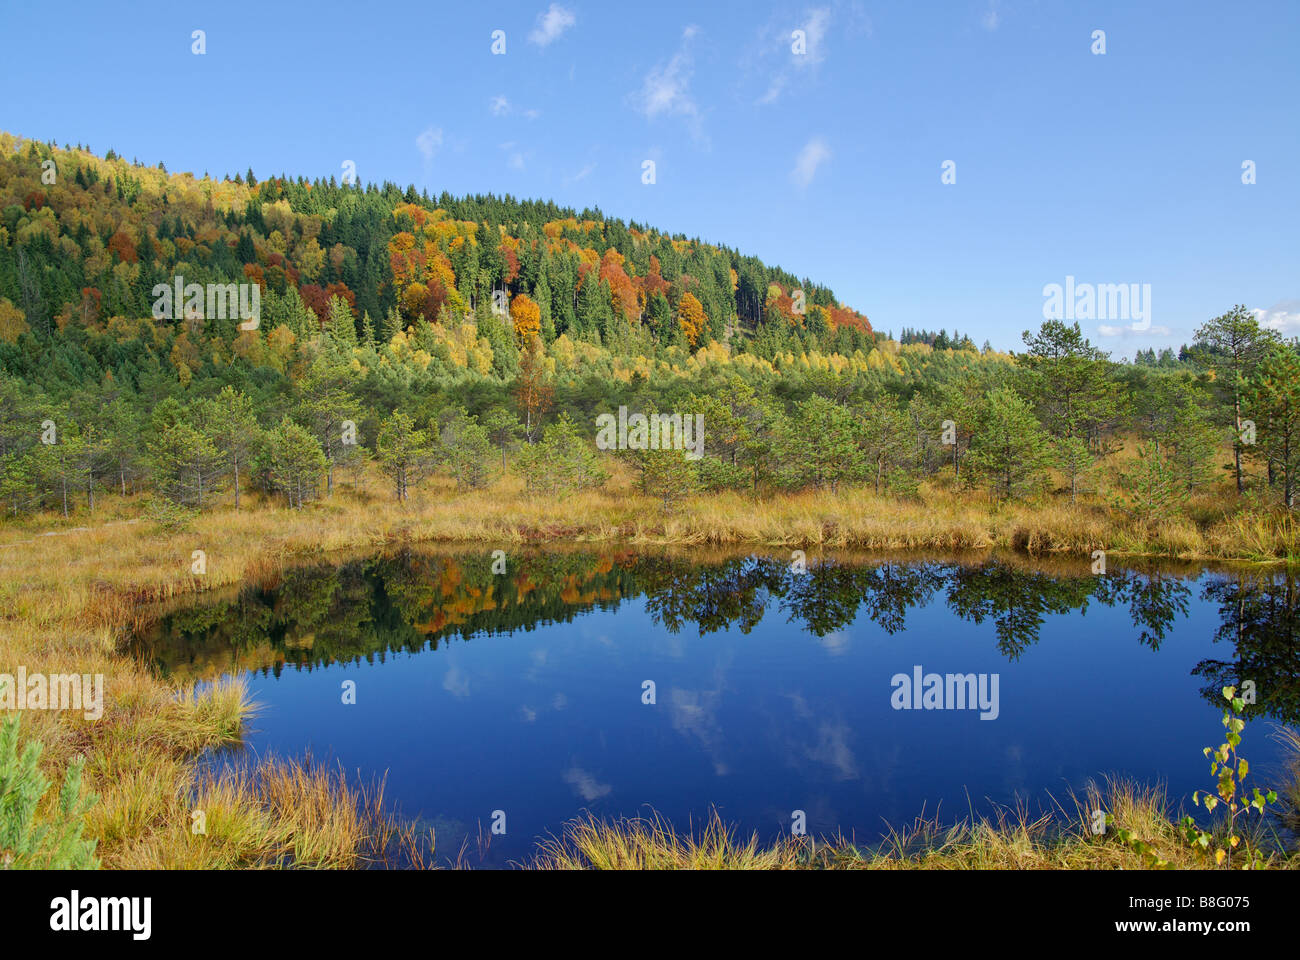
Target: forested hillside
{"x": 376, "y": 330}
{"x": 88, "y": 238}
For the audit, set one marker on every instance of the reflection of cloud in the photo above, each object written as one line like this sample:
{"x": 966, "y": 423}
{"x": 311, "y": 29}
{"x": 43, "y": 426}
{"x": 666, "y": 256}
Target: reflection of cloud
{"x": 693, "y": 714}
{"x": 528, "y": 713}
{"x": 538, "y": 658}
{"x": 585, "y": 784}
{"x": 835, "y": 643}
{"x": 833, "y": 750}
{"x": 800, "y": 706}
{"x": 456, "y": 682}
{"x": 560, "y": 701}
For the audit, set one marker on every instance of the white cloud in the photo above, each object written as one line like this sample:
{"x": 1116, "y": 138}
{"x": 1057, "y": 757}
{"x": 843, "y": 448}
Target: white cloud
{"x": 429, "y": 143}
{"x": 551, "y": 24}
{"x": 501, "y": 106}
{"x": 773, "y": 56}
{"x": 811, "y": 157}
{"x": 1107, "y": 330}
{"x": 990, "y": 18}
{"x": 1283, "y": 317}
{"x": 814, "y": 29}
{"x": 666, "y": 88}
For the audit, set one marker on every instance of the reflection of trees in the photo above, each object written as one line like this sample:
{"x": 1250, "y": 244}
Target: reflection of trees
{"x": 364, "y": 610}
{"x": 408, "y": 601}
{"x": 891, "y": 588}
{"x": 718, "y": 597}
{"x": 1016, "y": 600}
{"x": 1154, "y": 601}
{"x": 1260, "y": 620}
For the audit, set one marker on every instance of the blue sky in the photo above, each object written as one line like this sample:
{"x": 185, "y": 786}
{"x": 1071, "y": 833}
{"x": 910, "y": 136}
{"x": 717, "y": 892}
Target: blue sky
{"x": 1117, "y": 168}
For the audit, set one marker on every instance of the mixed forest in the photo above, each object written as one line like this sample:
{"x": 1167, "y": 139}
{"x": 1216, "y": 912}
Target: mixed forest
{"x": 401, "y": 336}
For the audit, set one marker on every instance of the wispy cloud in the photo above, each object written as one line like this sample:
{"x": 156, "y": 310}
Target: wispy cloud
{"x": 501, "y": 106}
{"x": 551, "y": 24}
{"x": 991, "y": 17}
{"x": 782, "y": 40}
{"x": 587, "y": 170}
{"x": 516, "y": 160}
{"x": 666, "y": 90}
{"x": 429, "y": 143}
{"x": 814, "y": 153}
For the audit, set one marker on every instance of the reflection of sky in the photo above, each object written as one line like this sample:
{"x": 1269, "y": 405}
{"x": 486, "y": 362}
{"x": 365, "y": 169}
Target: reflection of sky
{"x": 548, "y": 723}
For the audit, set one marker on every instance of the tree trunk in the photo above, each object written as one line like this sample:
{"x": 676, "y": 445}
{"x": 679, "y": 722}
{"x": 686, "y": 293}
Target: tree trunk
{"x": 1236, "y": 441}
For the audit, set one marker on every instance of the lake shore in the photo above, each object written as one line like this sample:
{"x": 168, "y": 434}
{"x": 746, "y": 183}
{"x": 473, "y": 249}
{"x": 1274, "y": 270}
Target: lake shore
{"x": 72, "y": 596}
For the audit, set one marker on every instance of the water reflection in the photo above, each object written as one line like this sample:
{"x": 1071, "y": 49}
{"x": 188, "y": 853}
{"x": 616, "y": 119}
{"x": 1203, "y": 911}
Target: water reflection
{"x": 364, "y": 610}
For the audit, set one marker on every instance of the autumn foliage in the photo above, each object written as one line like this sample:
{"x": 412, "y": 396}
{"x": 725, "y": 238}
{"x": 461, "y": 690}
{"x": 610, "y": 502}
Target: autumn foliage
{"x": 690, "y": 316}
{"x": 527, "y": 317}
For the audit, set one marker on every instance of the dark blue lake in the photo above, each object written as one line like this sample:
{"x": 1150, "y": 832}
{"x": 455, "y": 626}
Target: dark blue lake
{"x": 774, "y": 689}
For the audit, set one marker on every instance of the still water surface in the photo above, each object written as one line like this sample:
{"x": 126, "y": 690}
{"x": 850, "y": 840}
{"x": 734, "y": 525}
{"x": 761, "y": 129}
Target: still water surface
{"x": 774, "y": 689}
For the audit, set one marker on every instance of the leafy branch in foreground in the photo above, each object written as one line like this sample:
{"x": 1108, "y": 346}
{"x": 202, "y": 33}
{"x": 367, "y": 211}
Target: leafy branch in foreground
{"x": 1231, "y": 771}
{"x": 24, "y": 843}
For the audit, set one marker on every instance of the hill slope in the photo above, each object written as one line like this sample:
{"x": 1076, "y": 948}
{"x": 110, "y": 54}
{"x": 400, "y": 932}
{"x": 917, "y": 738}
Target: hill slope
{"x": 84, "y": 239}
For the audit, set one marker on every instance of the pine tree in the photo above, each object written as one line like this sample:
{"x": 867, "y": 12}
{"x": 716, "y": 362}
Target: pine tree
{"x": 295, "y": 461}
{"x": 1009, "y": 450}
{"x": 234, "y": 429}
{"x": 1233, "y": 345}
{"x": 404, "y": 452}
{"x": 1273, "y": 400}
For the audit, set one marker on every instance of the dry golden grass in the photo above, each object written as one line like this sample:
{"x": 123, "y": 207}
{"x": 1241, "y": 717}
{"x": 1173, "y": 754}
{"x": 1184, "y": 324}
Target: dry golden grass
{"x": 1010, "y": 840}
